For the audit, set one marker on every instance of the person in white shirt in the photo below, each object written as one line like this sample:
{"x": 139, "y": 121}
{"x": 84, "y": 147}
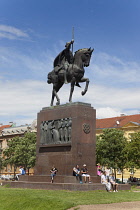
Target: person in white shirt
{"x": 107, "y": 171}
{"x": 105, "y": 181}
{"x": 113, "y": 183}
{"x": 22, "y": 172}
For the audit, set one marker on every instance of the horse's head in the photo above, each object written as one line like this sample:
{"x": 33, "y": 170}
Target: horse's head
{"x": 85, "y": 55}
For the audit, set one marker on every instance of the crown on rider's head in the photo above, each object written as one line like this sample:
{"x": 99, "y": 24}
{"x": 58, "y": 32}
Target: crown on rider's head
{"x": 67, "y": 44}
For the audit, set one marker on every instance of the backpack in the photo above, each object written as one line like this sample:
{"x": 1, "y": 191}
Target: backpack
{"x": 23, "y": 172}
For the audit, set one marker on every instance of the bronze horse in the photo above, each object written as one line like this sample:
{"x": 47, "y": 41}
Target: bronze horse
{"x": 75, "y": 74}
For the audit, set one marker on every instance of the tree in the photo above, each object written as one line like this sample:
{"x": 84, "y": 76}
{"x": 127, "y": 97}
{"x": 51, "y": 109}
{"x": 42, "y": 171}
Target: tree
{"x": 0, "y": 158}
{"x": 21, "y": 151}
{"x": 133, "y": 151}
{"x": 0, "y": 163}
{"x": 9, "y": 153}
{"x": 110, "y": 149}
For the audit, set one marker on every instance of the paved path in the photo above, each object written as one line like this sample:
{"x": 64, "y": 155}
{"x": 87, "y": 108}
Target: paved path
{"x": 112, "y": 206}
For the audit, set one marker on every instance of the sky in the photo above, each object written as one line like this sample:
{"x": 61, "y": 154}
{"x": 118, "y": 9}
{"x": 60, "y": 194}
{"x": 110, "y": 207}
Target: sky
{"x": 34, "y": 32}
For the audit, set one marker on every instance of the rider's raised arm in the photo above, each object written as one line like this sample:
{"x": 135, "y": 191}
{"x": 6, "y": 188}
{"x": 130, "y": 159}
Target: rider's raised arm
{"x": 68, "y": 44}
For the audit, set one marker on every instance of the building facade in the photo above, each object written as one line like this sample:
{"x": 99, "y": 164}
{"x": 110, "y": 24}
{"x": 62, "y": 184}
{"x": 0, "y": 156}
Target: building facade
{"x": 8, "y": 132}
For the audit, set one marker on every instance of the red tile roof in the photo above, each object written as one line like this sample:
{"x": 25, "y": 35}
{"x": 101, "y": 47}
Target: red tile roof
{"x": 117, "y": 121}
{"x": 4, "y": 126}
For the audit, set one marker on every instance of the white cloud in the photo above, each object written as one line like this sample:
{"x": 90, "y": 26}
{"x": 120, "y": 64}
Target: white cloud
{"x": 23, "y": 98}
{"x": 16, "y": 63}
{"x": 123, "y": 98}
{"x": 107, "y": 68}
{"x": 6, "y": 35}
{"x": 11, "y": 32}
{"x": 107, "y": 112}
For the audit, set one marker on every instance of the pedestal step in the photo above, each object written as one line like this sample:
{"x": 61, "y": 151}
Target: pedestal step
{"x": 61, "y": 186}
{"x": 57, "y": 178}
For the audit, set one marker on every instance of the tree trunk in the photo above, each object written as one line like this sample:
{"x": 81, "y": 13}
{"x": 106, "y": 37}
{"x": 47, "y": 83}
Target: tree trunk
{"x": 14, "y": 171}
{"x": 115, "y": 173}
{"x": 122, "y": 176}
{"x": 28, "y": 170}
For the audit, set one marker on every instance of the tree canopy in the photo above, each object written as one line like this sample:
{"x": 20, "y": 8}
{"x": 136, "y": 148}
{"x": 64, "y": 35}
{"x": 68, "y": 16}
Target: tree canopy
{"x": 21, "y": 151}
{"x": 110, "y": 150}
{"x": 133, "y": 151}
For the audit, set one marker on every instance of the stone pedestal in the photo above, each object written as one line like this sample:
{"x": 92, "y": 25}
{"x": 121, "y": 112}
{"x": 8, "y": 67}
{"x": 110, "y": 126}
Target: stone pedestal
{"x": 78, "y": 148}
{"x": 64, "y": 151}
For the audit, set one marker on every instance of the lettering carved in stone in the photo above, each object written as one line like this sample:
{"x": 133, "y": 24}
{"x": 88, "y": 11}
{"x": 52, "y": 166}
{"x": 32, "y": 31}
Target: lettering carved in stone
{"x": 55, "y": 131}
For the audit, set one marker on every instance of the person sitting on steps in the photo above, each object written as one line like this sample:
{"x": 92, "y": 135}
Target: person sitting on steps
{"x": 22, "y": 172}
{"x": 53, "y": 173}
{"x": 77, "y": 173}
{"x": 85, "y": 174}
{"x": 113, "y": 183}
{"x": 105, "y": 181}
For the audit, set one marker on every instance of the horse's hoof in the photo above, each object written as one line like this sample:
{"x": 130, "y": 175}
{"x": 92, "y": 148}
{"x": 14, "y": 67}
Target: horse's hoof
{"x": 82, "y": 93}
{"x": 57, "y": 103}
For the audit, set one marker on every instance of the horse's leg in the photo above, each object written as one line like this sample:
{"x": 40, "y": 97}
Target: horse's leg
{"x": 57, "y": 98}
{"x": 86, "y": 87}
{"x": 56, "y": 88}
{"x": 53, "y": 95}
{"x": 72, "y": 89}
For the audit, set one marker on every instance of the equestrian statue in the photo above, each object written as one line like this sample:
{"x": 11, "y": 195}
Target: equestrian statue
{"x": 69, "y": 69}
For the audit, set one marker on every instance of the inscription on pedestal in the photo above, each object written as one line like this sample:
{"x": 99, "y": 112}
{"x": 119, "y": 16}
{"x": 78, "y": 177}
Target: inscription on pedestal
{"x": 55, "y": 131}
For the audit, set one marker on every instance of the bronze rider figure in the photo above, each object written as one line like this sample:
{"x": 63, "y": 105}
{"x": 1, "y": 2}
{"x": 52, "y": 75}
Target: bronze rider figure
{"x": 63, "y": 60}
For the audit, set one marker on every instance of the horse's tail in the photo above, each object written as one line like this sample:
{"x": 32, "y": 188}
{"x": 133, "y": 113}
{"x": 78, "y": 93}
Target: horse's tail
{"x": 49, "y": 78}
{"x": 52, "y": 77}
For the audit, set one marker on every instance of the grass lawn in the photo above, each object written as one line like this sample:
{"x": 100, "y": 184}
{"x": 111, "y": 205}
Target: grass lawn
{"x": 19, "y": 199}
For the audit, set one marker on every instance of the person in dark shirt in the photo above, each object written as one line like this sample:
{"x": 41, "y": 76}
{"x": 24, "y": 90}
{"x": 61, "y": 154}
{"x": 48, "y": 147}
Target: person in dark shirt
{"x": 77, "y": 173}
{"x": 85, "y": 174}
{"x": 53, "y": 173}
